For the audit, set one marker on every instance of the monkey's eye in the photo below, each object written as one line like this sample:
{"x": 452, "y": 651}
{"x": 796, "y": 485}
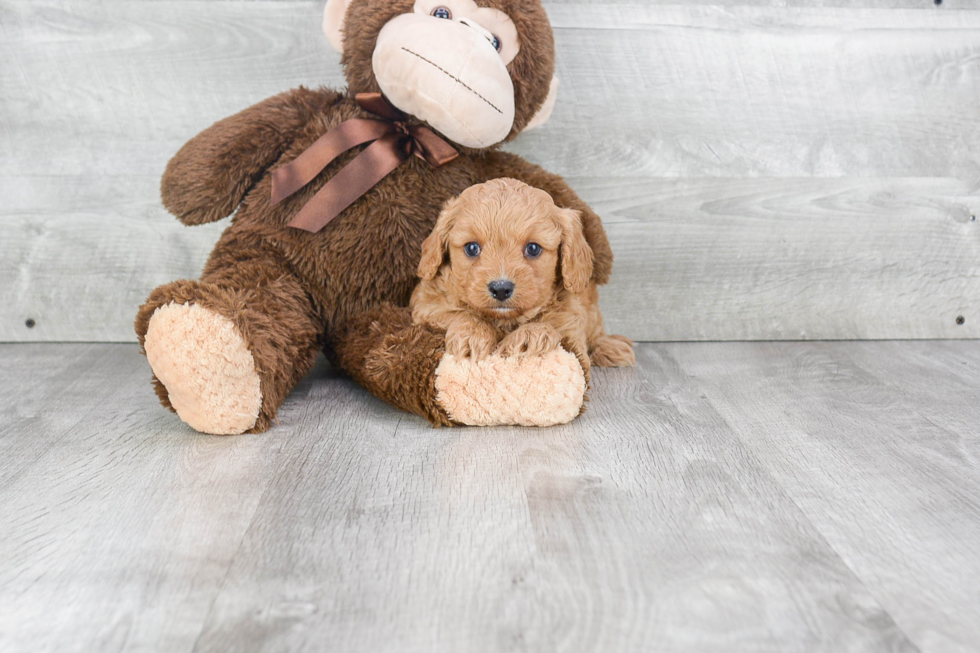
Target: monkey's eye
{"x": 472, "y": 249}
{"x": 533, "y": 250}
{"x": 495, "y": 43}
{"x": 442, "y": 12}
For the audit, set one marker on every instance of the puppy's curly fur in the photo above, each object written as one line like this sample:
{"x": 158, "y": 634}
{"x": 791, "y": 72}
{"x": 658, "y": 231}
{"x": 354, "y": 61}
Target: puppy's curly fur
{"x": 506, "y": 271}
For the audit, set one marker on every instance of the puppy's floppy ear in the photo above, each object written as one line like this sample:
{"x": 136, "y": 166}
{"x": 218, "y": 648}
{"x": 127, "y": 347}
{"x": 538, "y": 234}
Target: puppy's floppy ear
{"x": 437, "y": 243}
{"x": 576, "y": 255}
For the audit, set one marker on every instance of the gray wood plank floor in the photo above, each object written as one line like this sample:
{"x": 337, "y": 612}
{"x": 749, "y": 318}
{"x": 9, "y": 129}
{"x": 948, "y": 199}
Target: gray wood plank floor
{"x": 719, "y": 497}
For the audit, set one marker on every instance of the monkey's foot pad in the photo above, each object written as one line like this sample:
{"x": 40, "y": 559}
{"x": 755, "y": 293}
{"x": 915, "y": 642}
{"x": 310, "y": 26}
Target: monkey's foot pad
{"x": 523, "y": 390}
{"x": 206, "y": 367}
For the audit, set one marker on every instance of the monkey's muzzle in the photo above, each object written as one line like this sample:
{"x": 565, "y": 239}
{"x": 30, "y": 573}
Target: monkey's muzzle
{"x": 447, "y": 74}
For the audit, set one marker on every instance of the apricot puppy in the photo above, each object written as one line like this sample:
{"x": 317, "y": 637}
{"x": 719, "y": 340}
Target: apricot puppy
{"x": 506, "y": 271}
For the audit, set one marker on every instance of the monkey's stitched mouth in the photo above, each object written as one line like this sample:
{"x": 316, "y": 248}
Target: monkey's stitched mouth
{"x": 454, "y": 78}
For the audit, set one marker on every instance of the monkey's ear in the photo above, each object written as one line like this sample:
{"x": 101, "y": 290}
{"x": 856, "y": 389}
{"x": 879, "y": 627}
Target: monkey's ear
{"x": 576, "y": 255}
{"x": 437, "y": 244}
{"x": 544, "y": 112}
{"x": 333, "y": 23}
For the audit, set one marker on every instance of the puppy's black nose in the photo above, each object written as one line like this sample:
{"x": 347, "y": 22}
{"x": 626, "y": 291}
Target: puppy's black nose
{"x": 501, "y": 289}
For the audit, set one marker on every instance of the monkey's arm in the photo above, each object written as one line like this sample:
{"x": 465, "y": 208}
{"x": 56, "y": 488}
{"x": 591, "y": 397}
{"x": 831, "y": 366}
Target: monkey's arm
{"x": 403, "y": 363}
{"x": 210, "y": 175}
{"x": 394, "y": 358}
{"x": 504, "y": 164}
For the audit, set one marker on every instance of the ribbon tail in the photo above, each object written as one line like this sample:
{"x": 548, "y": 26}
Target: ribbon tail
{"x": 356, "y": 178}
{"x": 432, "y": 149}
{"x": 289, "y": 178}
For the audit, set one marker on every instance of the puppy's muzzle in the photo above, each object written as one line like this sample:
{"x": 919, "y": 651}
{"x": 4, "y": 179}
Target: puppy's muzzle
{"x": 501, "y": 289}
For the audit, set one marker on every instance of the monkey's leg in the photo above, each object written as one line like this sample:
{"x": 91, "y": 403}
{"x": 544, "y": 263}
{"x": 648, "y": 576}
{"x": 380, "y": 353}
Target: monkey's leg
{"x": 226, "y": 350}
{"x": 406, "y": 365}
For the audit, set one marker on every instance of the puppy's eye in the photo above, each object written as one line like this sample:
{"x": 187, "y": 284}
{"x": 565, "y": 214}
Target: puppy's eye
{"x": 495, "y": 43}
{"x": 533, "y": 250}
{"x": 472, "y": 249}
{"x": 442, "y": 12}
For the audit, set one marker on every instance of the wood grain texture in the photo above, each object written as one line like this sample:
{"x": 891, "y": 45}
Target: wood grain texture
{"x": 876, "y": 100}
{"x": 790, "y": 259}
{"x": 118, "y": 523}
{"x": 654, "y": 522}
{"x": 693, "y": 91}
{"x": 604, "y": 535}
{"x": 877, "y": 444}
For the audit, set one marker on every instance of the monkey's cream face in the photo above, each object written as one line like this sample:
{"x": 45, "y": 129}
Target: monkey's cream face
{"x": 446, "y": 63}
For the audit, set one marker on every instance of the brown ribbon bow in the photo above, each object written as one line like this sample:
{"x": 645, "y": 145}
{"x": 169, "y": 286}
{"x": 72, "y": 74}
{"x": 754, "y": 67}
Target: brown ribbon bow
{"x": 394, "y": 141}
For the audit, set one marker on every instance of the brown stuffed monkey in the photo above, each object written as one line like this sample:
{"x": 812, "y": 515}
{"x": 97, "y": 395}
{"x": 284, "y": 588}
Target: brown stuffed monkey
{"x": 227, "y": 349}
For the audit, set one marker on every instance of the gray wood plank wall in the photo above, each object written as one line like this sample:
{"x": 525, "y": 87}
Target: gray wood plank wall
{"x": 767, "y": 169}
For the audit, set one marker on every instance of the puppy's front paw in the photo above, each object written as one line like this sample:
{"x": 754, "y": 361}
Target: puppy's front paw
{"x": 529, "y": 340}
{"x": 476, "y": 342}
{"x": 613, "y": 351}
